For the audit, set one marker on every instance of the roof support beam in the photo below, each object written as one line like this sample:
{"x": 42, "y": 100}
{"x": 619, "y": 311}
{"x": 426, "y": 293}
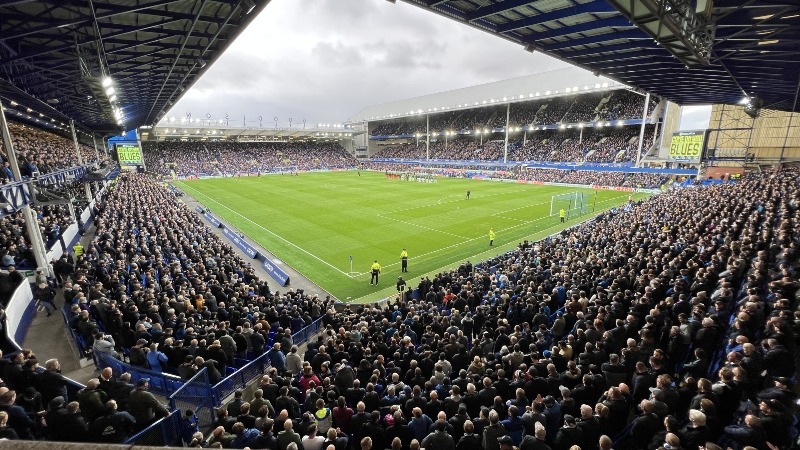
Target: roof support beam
{"x": 88, "y": 20}
{"x": 608, "y": 22}
{"x": 588, "y": 8}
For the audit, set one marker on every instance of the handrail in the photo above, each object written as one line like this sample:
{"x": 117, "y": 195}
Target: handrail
{"x": 155, "y": 425}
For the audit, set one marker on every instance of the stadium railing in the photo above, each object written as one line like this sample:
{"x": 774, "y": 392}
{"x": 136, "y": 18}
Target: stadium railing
{"x": 253, "y": 370}
{"x": 162, "y": 384}
{"x": 196, "y": 394}
{"x": 306, "y": 333}
{"x": 239, "y": 379}
{"x": 166, "y": 432}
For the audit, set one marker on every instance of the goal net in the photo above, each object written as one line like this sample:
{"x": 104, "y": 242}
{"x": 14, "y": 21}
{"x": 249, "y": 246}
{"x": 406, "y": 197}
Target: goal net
{"x": 573, "y": 203}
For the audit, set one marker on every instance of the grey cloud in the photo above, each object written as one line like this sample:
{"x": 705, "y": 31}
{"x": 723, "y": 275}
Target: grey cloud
{"x": 324, "y": 60}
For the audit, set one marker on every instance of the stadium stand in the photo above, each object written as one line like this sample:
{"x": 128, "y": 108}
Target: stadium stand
{"x": 649, "y": 325}
{"x": 587, "y": 107}
{"x": 228, "y": 158}
{"x": 40, "y": 151}
{"x": 599, "y": 145}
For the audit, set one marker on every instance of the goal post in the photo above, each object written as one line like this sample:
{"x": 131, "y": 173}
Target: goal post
{"x": 573, "y": 203}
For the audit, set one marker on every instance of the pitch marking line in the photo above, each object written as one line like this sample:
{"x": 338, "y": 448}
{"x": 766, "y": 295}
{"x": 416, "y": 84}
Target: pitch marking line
{"x": 276, "y": 235}
{"x": 476, "y": 255}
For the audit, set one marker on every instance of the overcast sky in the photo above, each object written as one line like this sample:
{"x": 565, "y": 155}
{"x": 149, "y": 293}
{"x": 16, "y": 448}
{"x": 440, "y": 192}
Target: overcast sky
{"x": 325, "y": 60}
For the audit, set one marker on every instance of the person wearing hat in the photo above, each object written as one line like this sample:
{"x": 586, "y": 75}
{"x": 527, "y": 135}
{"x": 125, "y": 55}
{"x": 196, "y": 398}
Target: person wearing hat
{"x": 568, "y": 435}
{"x": 507, "y": 443}
{"x": 375, "y": 269}
{"x": 143, "y": 406}
{"x": 401, "y": 285}
{"x": 775, "y": 421}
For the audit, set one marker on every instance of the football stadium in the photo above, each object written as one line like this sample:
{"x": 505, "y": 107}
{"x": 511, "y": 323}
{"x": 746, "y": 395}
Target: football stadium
{"x": 599, "y": 254}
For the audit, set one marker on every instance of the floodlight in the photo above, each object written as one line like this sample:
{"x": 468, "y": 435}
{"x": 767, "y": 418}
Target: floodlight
{"x": 110, "y": 90}
{"x": 107, "y": 82}
{"x": 248, "y": 6}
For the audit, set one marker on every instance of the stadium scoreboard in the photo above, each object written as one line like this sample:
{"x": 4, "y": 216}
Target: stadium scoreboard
{"x": 129, "y": 155}
{"x": 687, "y": 146}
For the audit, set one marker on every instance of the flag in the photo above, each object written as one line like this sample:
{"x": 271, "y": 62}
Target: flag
{"x": 351, "y": 258}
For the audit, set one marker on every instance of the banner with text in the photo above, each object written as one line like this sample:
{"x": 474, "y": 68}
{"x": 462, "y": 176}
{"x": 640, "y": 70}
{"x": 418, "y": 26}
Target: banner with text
{"x": 687, "y": 146}
{"x": 240, "y": 242}
{"x": 129, "y": 155}
{"x": 275, "y": 272}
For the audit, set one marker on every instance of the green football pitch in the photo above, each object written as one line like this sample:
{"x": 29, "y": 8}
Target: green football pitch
{"x": 316, "y": 221}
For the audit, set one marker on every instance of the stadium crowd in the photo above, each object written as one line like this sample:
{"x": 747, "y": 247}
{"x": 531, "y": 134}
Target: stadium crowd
{"x": 586, "y": 107}
{"x": 670, "y": 325}
{"x": 652, "y": 331}
{"x": 229, "y": 158}
{"x": 40, "y": 151}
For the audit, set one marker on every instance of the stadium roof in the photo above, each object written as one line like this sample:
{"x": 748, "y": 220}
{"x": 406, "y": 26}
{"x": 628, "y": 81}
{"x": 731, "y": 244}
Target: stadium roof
{"x": 755, "y": 51}
{"x": 56, "y": 54}
{"x": 531, "y": 87}
{"x": 210, "y": 130}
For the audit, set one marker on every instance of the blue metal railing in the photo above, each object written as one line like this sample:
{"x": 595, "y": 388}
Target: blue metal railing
{"x": 196, "y": 394}
{"x": 166, "y": 432}
{"x": 160, "y": 383}
{"x": 240, "y": 379}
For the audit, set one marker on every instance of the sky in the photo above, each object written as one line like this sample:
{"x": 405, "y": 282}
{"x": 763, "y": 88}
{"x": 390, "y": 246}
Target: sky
{"x": 325, "y": 60}
{"x": 695, "y": 117}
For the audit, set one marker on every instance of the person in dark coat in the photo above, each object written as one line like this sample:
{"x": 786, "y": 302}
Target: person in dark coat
{"x": 644, "y": 426}
{"x": 114, "y": 426}
{"x": 51, "y": 383}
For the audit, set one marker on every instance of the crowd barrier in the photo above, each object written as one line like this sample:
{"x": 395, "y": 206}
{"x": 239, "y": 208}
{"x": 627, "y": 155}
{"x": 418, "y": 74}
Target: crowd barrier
{"x": 196, "y": 394}
{"x": 162, "y": 384}
{"x": 166, "y": 432}
{"x": 240, "y": 379}
{"x": 20, "y": 311}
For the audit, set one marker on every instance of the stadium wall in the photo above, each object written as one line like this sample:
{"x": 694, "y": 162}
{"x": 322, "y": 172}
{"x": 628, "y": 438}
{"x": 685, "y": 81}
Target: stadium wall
{"x": 772, "y": 137}
{"x": 671, "y": 124}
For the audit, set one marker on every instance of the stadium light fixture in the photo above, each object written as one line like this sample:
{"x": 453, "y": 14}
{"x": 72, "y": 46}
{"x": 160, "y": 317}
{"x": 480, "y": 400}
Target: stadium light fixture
{"x": 107, "y": 81}
{"x": 744, "y": 100}
{"x": 201, "y": 62}
{"x": 113, "y": 98}
{"x": 248, "y": 6}
{"x": 537, "y": 94}
{"x": 619, "y": 123}
{"x": 110, "y": 91}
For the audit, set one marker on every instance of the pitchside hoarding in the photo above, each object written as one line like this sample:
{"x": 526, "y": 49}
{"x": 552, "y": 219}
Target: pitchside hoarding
{"x": 687, "y": 146}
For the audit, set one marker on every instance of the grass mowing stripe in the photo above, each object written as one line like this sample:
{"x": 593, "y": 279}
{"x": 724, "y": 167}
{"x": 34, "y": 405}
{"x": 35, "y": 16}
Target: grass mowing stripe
{"x": 314, "y": 222}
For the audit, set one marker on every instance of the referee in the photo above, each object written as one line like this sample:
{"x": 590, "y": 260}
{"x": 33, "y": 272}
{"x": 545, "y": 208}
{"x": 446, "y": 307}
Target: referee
{"x": 404, "y": 261}
{"x": 376, "y": 269}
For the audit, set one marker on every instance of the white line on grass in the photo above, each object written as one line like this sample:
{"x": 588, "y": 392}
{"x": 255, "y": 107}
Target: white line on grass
{"x": 276, "y": 235}
{"x": 476, "y": 255}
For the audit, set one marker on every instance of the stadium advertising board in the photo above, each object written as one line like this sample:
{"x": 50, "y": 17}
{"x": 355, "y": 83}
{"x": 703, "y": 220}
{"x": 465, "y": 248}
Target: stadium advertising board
{"x": 214, "y": 221}
{"x": 687, "y": 146}
{"x": 279, "y": 275}
{"x": 129, "y": 155}
{"x": 240, "y": 242}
